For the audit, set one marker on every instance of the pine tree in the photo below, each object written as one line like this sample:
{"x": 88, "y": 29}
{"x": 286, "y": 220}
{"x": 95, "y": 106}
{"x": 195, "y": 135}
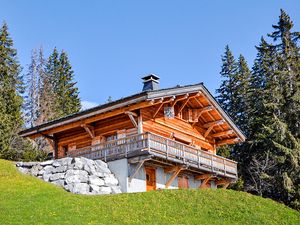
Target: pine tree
{"x": 12, "y": 146}
{"x": 269, "y": 159}
{"x": 225, "y": 94}
{"x": 64, "y": 93}
{"x": 10, "y": 93}
{"x": 65, "y": 87}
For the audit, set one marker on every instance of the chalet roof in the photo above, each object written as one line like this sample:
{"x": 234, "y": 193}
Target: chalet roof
{"x": 133, "y": 99}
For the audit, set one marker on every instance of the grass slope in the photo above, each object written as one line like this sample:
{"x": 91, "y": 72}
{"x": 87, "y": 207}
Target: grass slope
{"x": 28, "y": 200}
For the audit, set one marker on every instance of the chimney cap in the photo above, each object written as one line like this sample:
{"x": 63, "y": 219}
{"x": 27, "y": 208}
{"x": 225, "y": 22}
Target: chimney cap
{"x": 150, "y": 77}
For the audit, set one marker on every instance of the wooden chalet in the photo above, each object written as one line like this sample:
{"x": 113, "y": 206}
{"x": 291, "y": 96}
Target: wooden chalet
{"x": 156, "y": 139}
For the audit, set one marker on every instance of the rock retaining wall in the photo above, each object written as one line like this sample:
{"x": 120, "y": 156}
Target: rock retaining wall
{"x": 77, "y": 175}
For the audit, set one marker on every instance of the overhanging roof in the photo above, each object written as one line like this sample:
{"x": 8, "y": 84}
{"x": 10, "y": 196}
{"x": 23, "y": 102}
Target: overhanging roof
{"x": 133, "y": 99}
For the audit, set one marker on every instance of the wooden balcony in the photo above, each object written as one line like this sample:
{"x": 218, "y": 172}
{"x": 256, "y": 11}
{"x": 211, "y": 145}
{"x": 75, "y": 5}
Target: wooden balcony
{"x": 163, "y": 148}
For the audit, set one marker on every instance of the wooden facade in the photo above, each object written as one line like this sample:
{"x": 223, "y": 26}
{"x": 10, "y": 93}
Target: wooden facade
{"x": 179, "y": 126}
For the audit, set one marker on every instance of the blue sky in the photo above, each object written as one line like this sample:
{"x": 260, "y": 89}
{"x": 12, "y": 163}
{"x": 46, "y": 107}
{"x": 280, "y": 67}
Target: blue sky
{"x": 112, "y": 44}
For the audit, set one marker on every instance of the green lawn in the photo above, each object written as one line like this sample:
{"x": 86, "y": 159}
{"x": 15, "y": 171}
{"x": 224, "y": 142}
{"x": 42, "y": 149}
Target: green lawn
{"x": 28, "y": 200}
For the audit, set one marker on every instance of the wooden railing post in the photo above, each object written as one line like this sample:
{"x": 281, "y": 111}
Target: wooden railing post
{"x": 167, "y": 148}
{"x": 224, "y": 166}
{"x": 198, "y": 158}
{"x": 148, "y": 140}
{"x": 212, "y": 163}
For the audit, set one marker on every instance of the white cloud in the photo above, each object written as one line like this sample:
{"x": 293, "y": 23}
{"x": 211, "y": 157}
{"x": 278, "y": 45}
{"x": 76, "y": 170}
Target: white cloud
{"x": 87, "y": 104}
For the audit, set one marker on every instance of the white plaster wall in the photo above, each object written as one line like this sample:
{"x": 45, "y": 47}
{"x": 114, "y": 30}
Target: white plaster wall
{"x": 138, "y": 183}
{"x": 120, "y": 169}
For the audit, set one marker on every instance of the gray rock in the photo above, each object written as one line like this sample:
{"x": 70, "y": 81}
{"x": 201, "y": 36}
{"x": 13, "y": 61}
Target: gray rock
{"x": 48, "y": 169}
{"x": 101, "y": 163}
{"x": 60, "y": 169}
{"x": 46, "y": 163}
{"x": 100, "y": 174}
{"x": 35, "y": 170}
{"x": 41, "y": 172}
{"x": 116, "y": 190}
{"x": 57, "y": 176}
{"x": 57, "y": 163}
{"x": 59, "y": 182}
{"x": 102, "y": 169}
{"x": 26, "y": 164}
{"x": 76, "y": 176}
{"x": 94, "y": 180}
{"x": 110, "y": 181}
{"x": 79, "y": 163}
{"x": 105, "y": 190}
{"x": 95, "y": 189}
{"x": 46, "y": 176}
{"x": 80, "y": 188}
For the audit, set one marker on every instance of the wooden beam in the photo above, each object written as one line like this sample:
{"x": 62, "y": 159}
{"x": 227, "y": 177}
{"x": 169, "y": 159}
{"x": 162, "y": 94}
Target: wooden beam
{"x": 162, "y": 103}
{"x": 179, "y": 99}
{"x": 138, "y": 167}
{"x": 132, "y": 120}
{"x": 174, "y": 175}
{"x": 203, "y": 176}
{"x": 203, "y": 110}
{"x": 171, "y": 169}
{"x": 131, "y": 113}
{"x": 223, "y": 133}
{"x": 55, "y": 141}
{"x": 213, "y": 123}
{"x": 183, "y": 105}
{"x": 140, "y": 124}
{"x": 228, "y": 141}
{"x": 58, "y": 128}
{"x": 89, "y": 129}
{"x": 159, "y": 108}
{"x": 204, "y": 182}
{"x": 208, "y": 131}
{"x": 224, "y": 183}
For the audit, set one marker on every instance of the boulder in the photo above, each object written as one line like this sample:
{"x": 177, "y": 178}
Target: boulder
{"x": 49, "y": 169}
{"x": 46, "y": 176}
{"x": 79, "y": 163}
{"x": 57, "y": 176}
{"x": 94, "y": 180}
{"x": 110, "y": 181}
{"x": 35, "y": 170}
{"x": 105, "y": 190}
{"x": 116, "y": 189}
{"x": 46, "y": 163}
{"x": 60, "y": 169}
{"x": 95, "y": 189}
{"x": 77, "y": 175}
{"x": 58, "y": 182}
{"x": 80, "y": 188}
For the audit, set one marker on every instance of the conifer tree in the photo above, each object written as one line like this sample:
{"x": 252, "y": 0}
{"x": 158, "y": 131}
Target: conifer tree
{"x": 65, "y": 87}
{"x": 225, "y": 94}
{"x": 12, "y": 146}
{"x": 61, "y": 85}
{"x": 10, "y": 93}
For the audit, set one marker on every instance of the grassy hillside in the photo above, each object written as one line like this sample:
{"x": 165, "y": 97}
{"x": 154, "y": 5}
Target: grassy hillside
{"x": 28, "y": 200}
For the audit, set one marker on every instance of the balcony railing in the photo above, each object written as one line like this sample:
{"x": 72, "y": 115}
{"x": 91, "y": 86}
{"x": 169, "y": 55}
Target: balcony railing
{"x": 161, "y": 147}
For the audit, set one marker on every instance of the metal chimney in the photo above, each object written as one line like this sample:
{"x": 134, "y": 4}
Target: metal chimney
{"x": 151, "y": 82}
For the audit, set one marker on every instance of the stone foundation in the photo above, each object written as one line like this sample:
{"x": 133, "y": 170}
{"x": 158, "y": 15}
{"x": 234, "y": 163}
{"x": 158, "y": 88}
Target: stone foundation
{"x": 76, "y": 175}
